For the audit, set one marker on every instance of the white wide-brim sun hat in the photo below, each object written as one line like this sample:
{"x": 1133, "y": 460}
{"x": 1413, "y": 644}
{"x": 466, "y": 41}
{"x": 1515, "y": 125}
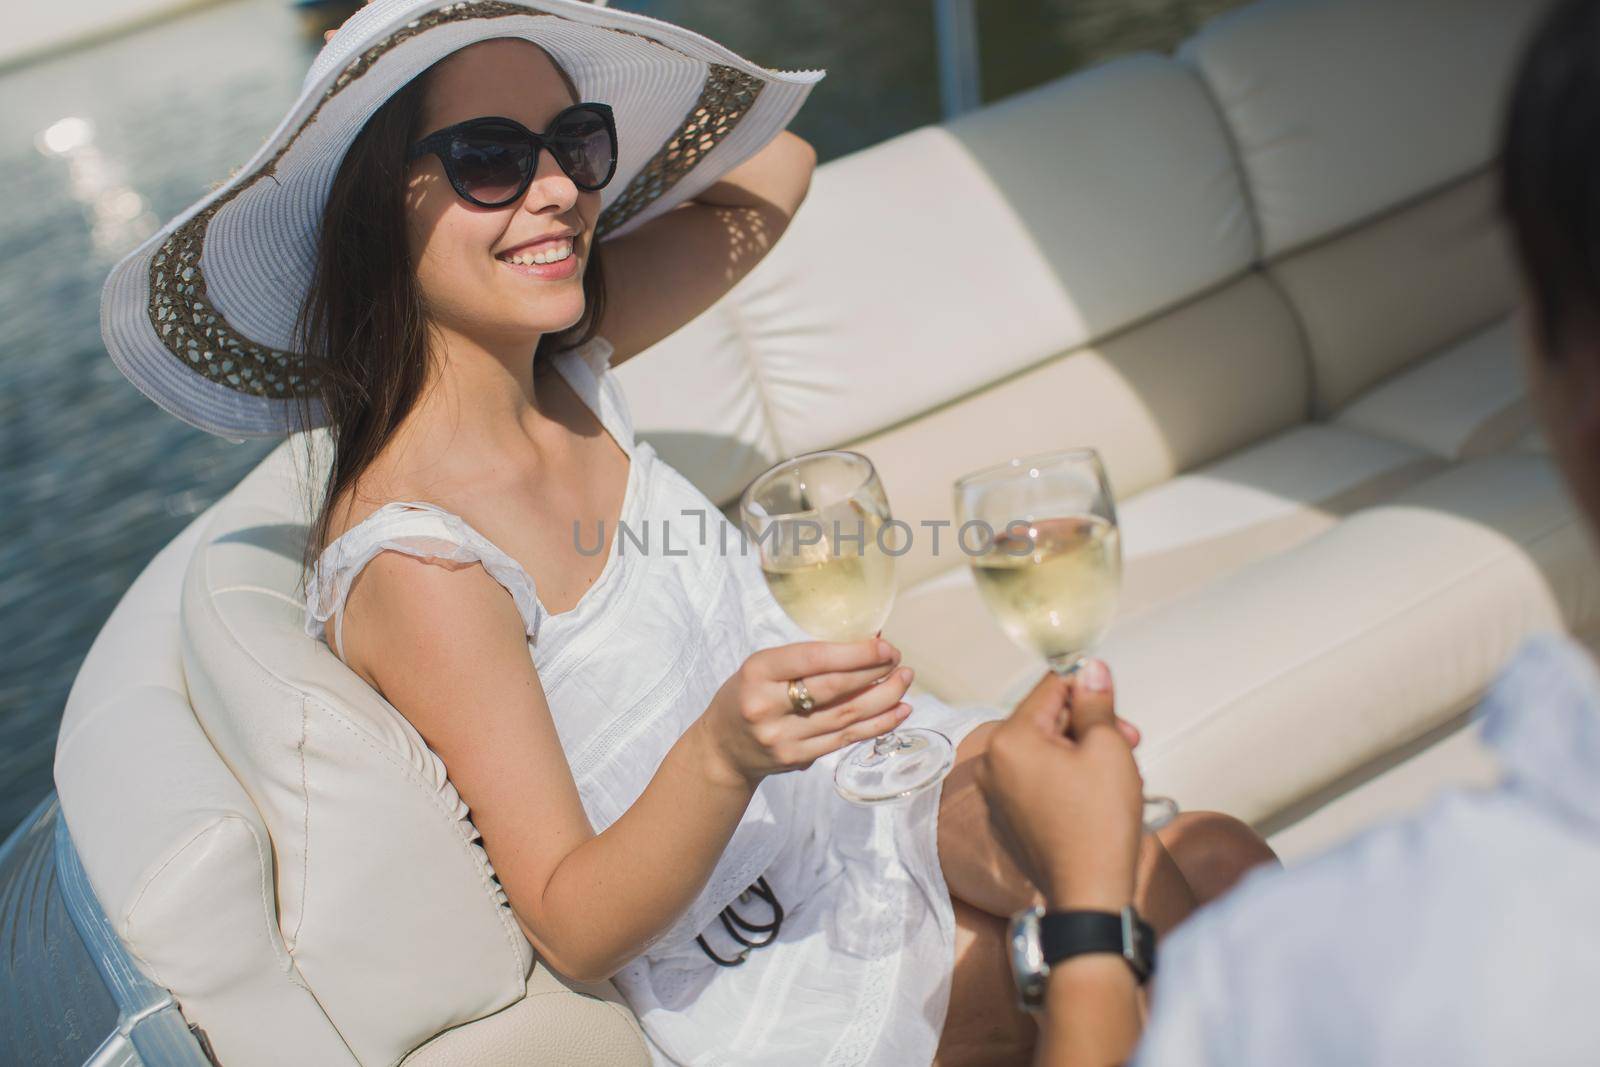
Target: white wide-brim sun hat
{"x": 200, "y": 317}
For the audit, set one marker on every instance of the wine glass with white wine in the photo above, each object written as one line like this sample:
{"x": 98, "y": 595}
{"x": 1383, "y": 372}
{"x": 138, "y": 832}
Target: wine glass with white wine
{"x": 1052, "y": 570}
{"x": 817, "y": 520}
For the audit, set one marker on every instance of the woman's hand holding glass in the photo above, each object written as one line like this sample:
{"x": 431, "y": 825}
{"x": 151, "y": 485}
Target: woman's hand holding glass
{"x": 803, "y": 513}
{"x": 752, "y": 729}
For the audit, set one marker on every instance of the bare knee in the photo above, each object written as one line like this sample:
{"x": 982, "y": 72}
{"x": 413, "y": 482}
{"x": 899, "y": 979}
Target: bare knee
{"x": 983, "y": 1027}
{"x": 977, "y": 867}
{"x": 1214, "y": 851}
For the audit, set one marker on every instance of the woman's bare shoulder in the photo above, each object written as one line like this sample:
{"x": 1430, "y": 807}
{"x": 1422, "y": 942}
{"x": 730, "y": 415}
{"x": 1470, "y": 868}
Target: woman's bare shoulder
{"x": 422, "y": 576}
{"x": 463, "y": 495}
{"x": 423, "y": 614}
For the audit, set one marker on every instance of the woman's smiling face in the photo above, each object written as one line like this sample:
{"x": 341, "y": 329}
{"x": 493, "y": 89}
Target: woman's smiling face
{"x": 461, "y": 250}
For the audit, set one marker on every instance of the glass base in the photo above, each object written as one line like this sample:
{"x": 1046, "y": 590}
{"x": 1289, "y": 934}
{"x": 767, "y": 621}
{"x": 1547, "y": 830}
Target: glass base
{"x": 900, "y": 764}
{"x": 1158, "y": 811}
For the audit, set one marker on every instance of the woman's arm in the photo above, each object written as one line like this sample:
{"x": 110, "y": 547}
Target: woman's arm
{"x": 675, "y": 266}
{"x": 445, "y": 645}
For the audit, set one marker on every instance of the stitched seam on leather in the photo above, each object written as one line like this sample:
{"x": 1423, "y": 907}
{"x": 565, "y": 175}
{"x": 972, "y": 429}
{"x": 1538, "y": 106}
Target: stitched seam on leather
{"x": 1170, "y": 745}
{"x": 153, "y": 875}
{"x": 272, "y": 681}
{"x": 305, "y": 828}
{"x": 127, "y": 914}
{"x": 222, "y": 626}
{"x": 290, "y": 971}
{"x": 276, "y": 594}
{"x": 268, "y": 910}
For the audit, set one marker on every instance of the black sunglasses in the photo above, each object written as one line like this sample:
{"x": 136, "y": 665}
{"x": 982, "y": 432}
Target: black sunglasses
{"x": 490, "y": 161}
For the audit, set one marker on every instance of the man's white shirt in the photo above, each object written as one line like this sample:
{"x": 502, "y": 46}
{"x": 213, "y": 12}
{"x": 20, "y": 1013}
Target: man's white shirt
{"x": 1468, "y": 933}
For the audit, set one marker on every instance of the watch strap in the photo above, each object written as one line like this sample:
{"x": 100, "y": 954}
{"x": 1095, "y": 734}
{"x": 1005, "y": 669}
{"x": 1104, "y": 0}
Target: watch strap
{"x": 1063, "y": 934}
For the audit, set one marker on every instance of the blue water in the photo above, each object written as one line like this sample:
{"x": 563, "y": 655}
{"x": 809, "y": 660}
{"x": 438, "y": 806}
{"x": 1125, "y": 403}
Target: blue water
{"x": 94, "y": 479}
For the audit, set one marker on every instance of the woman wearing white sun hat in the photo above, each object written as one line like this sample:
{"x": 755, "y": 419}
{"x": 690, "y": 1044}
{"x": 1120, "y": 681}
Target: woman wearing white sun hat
{"x": 412, "y": 262}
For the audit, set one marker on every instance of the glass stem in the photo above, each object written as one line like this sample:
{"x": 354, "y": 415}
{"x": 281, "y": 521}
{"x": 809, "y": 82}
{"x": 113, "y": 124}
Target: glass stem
{"x": 1158, "y": 811}
{"x": 1067, "y": 666}
{"x": 884, "y": 744}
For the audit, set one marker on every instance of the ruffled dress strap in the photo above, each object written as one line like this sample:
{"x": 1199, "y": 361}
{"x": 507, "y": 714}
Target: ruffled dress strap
{"x": 588, "y": 370}
{"x": 416, "y": 528}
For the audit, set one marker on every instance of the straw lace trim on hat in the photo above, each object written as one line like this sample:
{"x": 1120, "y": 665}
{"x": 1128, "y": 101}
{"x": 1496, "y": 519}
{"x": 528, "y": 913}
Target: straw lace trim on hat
{"x": 192, "y": 329}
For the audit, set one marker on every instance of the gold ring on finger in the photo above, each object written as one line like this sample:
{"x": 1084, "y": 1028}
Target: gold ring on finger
{"x": 799, "y": 697}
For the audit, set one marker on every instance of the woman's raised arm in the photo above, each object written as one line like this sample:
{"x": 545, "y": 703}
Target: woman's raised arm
{"x": 675, "y": 266}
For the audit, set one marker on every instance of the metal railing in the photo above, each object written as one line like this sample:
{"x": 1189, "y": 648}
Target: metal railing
{"x": 955, "y": 26}
{"x": 151, "y": 1031}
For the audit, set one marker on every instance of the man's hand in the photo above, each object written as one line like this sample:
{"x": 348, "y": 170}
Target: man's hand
{"x": 1068, "y": 805}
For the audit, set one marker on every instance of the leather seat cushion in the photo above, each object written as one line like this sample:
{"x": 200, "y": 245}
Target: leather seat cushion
{"x": 1275, "y": 680}
{"x": 1469, "y": 400}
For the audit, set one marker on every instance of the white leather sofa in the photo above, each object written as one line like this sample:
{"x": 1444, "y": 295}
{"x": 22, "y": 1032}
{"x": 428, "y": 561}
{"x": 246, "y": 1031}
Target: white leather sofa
{"x": 1264, "y": 276}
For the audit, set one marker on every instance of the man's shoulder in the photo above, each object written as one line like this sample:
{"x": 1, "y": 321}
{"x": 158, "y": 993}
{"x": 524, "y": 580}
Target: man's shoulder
{"x": 1431, "y": 910}
{"x": 1464, "y": 848}
{"x": 1290, "y": 957}
{"x": 1369, "y": 888}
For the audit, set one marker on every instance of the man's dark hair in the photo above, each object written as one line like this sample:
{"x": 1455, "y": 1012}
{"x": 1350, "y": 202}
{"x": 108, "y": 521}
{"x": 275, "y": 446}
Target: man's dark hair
{"x": 1550, "y": 175}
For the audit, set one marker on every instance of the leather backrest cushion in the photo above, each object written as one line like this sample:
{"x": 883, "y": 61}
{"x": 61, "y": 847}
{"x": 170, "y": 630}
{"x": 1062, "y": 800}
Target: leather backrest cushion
{"x": 386, "y": 899}
{"x": 935, "y": 263}
{"x": 1344, "y": 108}
{"x": 1218, "y": 373}
{"x": 1378, "y": 298}
{"x": 178, "y": 856}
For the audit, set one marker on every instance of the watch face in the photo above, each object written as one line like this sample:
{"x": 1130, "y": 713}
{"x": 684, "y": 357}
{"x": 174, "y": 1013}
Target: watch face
{"x": 1027, "y": 958}
{"x": 1138, "y": 944}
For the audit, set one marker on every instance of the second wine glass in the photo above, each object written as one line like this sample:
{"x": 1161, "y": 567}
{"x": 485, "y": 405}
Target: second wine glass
{"x": 818, "y": 521}
{"x": 1052, "y": 570}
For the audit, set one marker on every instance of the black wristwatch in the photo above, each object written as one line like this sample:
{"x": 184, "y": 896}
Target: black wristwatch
{"x": 1039, "y": 938}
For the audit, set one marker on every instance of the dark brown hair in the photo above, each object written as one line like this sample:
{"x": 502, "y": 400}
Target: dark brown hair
{"x": 363, "y": 324}
{"x": 1550, "y": 176}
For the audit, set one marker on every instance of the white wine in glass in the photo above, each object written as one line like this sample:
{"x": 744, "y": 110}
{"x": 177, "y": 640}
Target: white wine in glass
{"x": 817, "y": 521}
{"x": 1052, "y": 570}
{"x": 831, "y": 594}
{"x": 1053, "y": 586}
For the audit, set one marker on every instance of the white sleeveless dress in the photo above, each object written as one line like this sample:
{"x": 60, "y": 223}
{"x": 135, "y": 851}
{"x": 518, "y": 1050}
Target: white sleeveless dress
{"x": 860, "y": 971}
